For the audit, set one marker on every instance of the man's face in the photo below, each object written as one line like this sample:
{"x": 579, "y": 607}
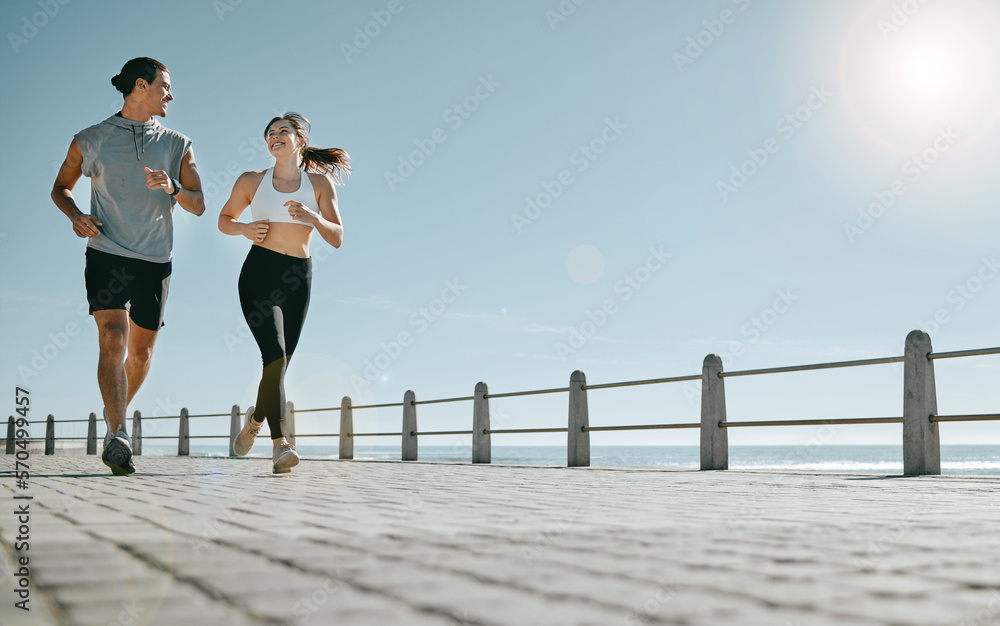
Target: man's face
{"x": 157, "y": 94}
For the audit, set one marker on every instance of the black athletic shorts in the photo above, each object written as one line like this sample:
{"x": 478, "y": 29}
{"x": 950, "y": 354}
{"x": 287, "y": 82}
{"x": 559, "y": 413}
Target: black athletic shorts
{"x": 117, "y": 282}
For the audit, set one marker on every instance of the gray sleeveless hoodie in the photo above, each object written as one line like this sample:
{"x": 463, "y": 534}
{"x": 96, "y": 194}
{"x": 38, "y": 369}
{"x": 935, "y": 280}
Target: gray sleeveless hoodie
{"x": 137, "y": 221}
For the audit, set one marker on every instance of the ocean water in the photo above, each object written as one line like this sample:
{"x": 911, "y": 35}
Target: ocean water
{"x": 885, "y": 459}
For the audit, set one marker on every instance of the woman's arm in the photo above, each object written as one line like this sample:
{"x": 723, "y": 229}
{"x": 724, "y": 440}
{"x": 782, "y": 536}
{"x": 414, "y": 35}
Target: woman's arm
{"x": 327, "y": 222}
{"x": 239, "y": 200}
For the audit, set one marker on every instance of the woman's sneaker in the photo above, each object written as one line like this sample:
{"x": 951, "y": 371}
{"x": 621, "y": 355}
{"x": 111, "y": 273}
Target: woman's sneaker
{"x": 285, "y": 458}
{"x": 244, "y": 440}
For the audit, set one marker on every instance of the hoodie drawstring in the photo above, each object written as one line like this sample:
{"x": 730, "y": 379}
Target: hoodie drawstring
{"x": 143, "y": 135}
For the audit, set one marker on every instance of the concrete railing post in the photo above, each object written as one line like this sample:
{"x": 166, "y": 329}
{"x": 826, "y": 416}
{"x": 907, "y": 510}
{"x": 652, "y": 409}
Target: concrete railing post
{"x": 288, "y": 422}
{"x": 714, "y": 438}
{"x": 578, "y": 440}
{"x": 409, "y": 426}
{"x": 921, "y": 444}
{"x": 10, "y": 435}
{"x": 235, "y": 426}
{"x": 183, "y": 442}
{"x": 481, "y": 424}
{"x": 92, "y": 434}
{"x": 50, "y": 434}
{"x": 137, "y": 433}
{"x": 346, "y": 429}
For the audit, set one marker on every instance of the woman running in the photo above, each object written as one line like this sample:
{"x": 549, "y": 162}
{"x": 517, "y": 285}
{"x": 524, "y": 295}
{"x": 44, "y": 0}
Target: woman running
{"x": 288, "y": 202}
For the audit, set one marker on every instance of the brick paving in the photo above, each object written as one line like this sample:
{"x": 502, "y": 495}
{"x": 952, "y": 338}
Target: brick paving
{"x": 191, "y": 541}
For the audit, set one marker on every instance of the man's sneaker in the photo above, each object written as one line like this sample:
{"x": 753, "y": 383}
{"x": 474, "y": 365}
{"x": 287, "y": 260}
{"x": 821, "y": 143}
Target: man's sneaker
{"x": 285, "y": 458}
{"x": 118, "y": 454}
{"x": 244, "y": 440}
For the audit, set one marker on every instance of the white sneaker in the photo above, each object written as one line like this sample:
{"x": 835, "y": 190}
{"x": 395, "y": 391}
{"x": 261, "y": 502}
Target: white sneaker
{"x": 285, "y": 458}
{"x": 244, "y": 440}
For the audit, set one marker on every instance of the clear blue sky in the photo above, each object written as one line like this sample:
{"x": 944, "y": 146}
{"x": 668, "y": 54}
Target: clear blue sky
{"x": 625, "y": 124}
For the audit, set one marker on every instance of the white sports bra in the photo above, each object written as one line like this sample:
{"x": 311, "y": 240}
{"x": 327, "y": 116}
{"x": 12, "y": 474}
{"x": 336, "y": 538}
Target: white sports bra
{"x": 269, "y": 204}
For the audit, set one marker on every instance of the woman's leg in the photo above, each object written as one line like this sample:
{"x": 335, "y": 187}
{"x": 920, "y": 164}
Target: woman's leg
{"x": 260, "y": 277}
{"x": 295, "y": 291}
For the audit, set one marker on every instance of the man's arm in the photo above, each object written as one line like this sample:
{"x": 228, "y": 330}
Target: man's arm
{"x": 189, "y": 197}
{"x": 62, "y": 193}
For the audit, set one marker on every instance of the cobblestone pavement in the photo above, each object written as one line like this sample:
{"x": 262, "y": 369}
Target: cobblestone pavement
{"x": 192, "y": 541}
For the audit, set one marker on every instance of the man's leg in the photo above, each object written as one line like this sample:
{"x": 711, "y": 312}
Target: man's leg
{"x": 113, "y": 337}
{"x": 140, "y": 352}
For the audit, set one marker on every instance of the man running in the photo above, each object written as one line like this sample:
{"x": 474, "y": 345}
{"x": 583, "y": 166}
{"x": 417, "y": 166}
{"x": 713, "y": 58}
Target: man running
{"x": 138, "y": 169}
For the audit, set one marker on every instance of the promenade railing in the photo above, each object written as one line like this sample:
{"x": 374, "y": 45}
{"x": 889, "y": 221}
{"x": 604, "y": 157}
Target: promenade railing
{"x": 920, "y": 418}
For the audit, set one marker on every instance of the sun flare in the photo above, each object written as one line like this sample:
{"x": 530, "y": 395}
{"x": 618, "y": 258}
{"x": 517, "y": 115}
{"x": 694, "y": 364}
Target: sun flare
{"x": 908, "y": 72}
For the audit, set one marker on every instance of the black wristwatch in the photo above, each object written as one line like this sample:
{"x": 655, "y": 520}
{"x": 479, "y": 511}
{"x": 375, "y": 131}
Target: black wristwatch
{"x": 177, "y": 187}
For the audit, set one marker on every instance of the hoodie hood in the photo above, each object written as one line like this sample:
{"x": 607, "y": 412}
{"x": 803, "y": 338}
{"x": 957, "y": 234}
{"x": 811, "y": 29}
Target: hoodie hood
{"x": 138, "y": 130}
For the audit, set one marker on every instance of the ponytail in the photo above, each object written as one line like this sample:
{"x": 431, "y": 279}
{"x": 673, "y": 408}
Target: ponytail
{"x": 330, "y": 161}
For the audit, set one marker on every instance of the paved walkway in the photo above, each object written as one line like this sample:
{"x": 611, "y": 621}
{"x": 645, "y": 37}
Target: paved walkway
{"x": 192, "y": 541}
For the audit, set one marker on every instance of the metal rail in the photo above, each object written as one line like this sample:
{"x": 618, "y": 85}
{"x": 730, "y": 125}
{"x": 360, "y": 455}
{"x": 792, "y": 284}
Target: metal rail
{"x": 641, "y": 427}
{"x": 318, "y": 435}
{"x": 376, "y": 406}
{"x": 441, "y": 432}
{"x": 526, "y": 393}
{"x": 956, "y": 353}
{"x": 332, "y": 408}
{"x": 818, "y": 366}
{"x": 816, "y": 422}
{"x": 444, "y": 400}
{"x": 526, "y": 430}
{"x": 965, "y": 418}
{"x": 651, "y": 381}
{"x": 376, "y": 435}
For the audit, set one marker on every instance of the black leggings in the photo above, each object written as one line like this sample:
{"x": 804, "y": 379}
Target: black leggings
{"x": 274, "y": 294}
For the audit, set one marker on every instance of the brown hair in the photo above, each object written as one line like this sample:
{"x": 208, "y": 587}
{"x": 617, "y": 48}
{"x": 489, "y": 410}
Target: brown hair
{"x": 331, "y": 161}
{"x": 140, "y": 67}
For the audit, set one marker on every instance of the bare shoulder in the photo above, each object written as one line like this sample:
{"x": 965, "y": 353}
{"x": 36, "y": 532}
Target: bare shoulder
{"x": 250, "y": 180}
{"x": 253, "y": 176}
{"x": 320, "y": 180}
